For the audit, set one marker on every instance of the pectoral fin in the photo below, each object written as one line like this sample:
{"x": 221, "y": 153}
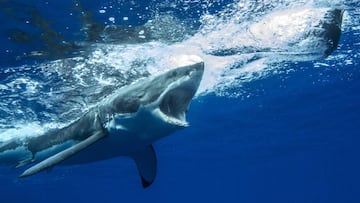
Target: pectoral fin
{"x": 146, "y": 163}
{"x": 24, "y": 162}
{"x": 61, "y": 156}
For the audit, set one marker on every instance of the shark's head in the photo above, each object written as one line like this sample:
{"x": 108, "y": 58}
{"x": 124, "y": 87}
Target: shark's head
{"x": 170, "y": 94}
{"x": 175, "y": 99}
{"x": 156, "y": 105}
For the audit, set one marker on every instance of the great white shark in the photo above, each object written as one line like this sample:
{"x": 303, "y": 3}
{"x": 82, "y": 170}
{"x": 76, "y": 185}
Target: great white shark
{"x": 125, "y": 123}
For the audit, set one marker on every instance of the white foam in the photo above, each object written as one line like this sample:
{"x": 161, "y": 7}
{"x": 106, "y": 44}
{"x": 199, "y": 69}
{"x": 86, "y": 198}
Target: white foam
{"x": 21, "y": 131}
{"x": 185, "y": 60}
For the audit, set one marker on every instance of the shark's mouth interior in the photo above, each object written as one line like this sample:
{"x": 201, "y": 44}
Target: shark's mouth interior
{"x": 175, "y": 103}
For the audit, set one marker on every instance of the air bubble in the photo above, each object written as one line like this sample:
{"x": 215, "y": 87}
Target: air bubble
{"x": 112, "y": 19}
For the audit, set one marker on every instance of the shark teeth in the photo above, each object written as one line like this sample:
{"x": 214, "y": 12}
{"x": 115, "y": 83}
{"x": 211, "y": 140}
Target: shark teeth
{"x": 172, "y": 120}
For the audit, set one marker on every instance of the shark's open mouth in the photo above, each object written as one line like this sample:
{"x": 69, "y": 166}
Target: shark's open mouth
{"x": 175, "y": 102}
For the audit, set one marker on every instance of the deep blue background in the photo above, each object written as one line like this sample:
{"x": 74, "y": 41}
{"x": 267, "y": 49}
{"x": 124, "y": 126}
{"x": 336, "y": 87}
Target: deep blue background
{"x": 295, "y": 139}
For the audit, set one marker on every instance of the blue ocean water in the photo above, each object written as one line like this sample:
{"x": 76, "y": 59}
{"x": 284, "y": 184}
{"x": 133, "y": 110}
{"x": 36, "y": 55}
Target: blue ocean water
{"x": 290, "y": 136}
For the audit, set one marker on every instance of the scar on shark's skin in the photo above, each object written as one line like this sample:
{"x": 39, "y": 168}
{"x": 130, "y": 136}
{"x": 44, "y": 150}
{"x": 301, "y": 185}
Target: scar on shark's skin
{"x": 125, "y": 123}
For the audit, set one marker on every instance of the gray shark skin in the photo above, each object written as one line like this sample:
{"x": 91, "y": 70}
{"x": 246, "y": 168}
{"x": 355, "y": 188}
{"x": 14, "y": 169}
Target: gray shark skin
{"x": 125, "y": 123}
{"x": 332, "y": 25}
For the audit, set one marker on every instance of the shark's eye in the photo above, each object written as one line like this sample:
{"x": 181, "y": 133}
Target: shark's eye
{"x": 174, "y": 74}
